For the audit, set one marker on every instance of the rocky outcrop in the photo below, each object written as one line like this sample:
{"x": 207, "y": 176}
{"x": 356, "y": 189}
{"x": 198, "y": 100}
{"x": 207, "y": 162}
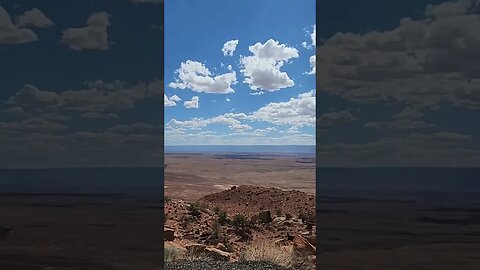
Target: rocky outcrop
{"x": 222, "y": 235}
{"x": 265, "y": 217}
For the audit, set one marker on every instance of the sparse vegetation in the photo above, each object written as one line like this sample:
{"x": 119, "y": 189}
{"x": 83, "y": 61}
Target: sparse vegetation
{"x": 171, "y": 254}
{"x": 191, "y": 256}
{"x": 266, "y": 251}
{"x": 241, "y": 226}
{"x": 210, "y": 232}
{"x": 194, "y": 209}
{"x": 216, "y": 230}
{"x": 202, "y": 205}
{"x": 307, "y": 218}
{"x": 239, "y": 222}
{"x": 222, "y": 217}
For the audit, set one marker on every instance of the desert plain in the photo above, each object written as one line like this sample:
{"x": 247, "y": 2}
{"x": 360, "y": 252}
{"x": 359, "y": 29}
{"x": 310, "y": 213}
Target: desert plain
{"x": 191, "y": 176}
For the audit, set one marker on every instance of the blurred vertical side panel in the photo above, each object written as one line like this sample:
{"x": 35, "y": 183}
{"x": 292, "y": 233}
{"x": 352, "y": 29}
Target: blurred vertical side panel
{"x": 398, "y": 153}
{"x": 81, "y": 134}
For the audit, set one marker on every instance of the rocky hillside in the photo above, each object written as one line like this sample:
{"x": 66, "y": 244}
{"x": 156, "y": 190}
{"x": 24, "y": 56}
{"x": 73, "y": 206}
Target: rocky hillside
{"x": 241, "y": 224}
{"x": 251, "y": 200}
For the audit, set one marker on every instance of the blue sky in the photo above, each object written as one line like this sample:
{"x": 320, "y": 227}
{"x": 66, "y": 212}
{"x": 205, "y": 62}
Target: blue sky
{"x": 282, "y": 111}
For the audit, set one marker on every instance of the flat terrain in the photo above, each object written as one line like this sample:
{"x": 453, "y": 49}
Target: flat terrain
{"x": 357, "y": 233}
{"x": 80, "y": 232}
{"x": 191, "y": 176}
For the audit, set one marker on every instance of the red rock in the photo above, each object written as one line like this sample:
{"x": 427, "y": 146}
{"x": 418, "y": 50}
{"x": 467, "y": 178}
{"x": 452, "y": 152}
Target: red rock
{"x": 217, "y": 254}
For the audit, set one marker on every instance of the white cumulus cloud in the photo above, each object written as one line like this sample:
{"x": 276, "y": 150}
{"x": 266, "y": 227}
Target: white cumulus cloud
{"x": 229, "y": 47}
{"x": 312, "y": 65}
{"x": 296, "y": 112}
{"x": 192, "y": 104}
{"x": 313, "y": 37}
{"x": 170, "y": 101}
{"x": 195, "y": 76}
{"x": 262, "y": 69}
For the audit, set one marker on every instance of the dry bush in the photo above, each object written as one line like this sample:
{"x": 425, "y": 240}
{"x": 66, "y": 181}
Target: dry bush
{"x": 265, "y": 251}
{"x": 172, "y": 254}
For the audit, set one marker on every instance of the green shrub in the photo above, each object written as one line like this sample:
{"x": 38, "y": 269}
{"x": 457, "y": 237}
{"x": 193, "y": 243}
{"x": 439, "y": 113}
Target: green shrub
{"x": 216, "y": 230}
{"x": 239, "y": 222}
{"x": 222, "y": 217}
{"x": 307, "y": 218}
{"x": 194, "y": 209}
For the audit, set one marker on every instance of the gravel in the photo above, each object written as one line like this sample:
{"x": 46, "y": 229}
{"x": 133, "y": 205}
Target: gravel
{"x": 215, "y": 265}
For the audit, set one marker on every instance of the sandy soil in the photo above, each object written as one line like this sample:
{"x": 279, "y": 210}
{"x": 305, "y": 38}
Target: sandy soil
{"x": 191, "y": 176}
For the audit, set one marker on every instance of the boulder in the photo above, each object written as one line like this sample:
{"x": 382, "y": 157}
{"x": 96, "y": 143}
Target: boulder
{"x": 279, "y": 219}
{"x": 265, "y": 216}
{"x": 222, "y": 247}
{"x": 217, "y": 254}
{"x": 302, "y": 245}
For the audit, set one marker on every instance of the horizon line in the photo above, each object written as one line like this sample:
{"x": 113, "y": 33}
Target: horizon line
{"x": 241, "y": 145}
